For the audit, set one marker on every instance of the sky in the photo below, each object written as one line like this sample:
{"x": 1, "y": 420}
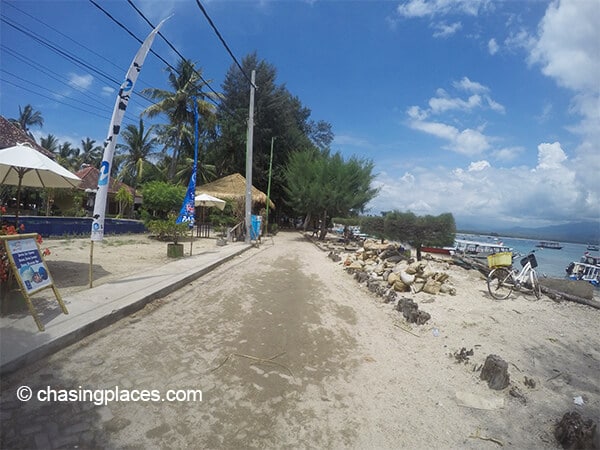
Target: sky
{"x": 486, "y": 109}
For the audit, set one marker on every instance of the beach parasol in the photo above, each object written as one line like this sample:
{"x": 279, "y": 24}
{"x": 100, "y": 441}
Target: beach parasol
{"x": 209, "y": 201}
{"x": 21, "y": 165}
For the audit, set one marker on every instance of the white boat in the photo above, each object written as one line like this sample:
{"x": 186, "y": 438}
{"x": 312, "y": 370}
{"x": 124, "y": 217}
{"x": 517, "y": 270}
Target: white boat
{"x": 586, "y": 269}
{"x": 480, "y": 250}
{"x": 584, "y": 272}
{"x": 550, "y": 244}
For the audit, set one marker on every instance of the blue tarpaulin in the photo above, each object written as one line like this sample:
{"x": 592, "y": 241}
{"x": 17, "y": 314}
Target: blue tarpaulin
{"x": 255, "y": 228}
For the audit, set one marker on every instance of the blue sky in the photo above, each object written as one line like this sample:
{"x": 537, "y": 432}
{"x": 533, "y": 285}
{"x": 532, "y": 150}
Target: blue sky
{"x": 486, "y": 109}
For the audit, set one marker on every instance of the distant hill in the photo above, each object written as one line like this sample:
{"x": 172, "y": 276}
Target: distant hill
{"x": 580, "y": 232}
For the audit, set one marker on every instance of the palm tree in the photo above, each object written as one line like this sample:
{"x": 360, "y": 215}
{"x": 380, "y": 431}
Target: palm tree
{"x": 28, "y": 118}
{"x": 49, "y": 143}
{"x": 67, "y": 156}
{"x": 90, "y": 154}
{"x": 136, "y": 151}
{"x": 177, "y": 104}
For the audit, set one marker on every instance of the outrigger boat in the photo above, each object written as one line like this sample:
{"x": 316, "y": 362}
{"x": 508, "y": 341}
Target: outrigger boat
{"x": 587, "y": 269}
{"x": 479, "y": 250}
{"x": 549, "y": 244}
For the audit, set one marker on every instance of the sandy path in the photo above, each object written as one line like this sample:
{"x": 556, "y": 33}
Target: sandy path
{"x": 348, "y": 371}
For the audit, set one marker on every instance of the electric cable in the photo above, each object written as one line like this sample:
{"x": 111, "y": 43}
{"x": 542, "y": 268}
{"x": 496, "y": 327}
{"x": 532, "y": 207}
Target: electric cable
{"x": 214, "y": 27}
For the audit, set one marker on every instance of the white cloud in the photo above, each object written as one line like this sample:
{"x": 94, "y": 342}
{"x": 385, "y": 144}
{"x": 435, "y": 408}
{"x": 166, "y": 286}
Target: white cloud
{"x": 466, "y": 142}
{"x": 443, "y": 30}
{"x": 430, "y": 8}
{"x": 477, "y": 166}
{"x": 439, "y": 105}
{"x": 508, "y": 153}
{"x": 470, "y": 86}
{"x": 530, "y": 196}
{"x": 80, "y": 82}
{"x": 493, "y": 46}
{"x": 107, "y": 91}
{"x": 550, "y": 156}
{"x": 353, "y": 141}
{"x": 568, "y": 46}
{"x": 572, "y": 59}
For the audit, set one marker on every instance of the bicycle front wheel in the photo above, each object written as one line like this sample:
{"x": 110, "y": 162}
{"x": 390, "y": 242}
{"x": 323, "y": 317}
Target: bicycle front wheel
{"x": 500, "y": 284}
{"x": 535, "y": 285}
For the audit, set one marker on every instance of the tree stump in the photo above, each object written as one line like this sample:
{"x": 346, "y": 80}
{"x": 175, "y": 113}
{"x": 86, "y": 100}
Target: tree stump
{"x": 495, "y": 372}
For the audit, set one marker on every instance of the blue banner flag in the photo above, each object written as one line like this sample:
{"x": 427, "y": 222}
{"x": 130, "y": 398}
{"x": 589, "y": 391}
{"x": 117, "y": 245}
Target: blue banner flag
{"x": 188, "y": 208}
{"x": 121, "y": 103}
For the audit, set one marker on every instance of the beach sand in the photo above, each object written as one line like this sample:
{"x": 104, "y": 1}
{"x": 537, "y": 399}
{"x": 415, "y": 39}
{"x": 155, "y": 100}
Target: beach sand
{"x": 115, "y": 257}
{"x": 426, "y": 374}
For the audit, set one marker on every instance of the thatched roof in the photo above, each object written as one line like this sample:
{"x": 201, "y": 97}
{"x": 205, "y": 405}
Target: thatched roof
{"x": 11, "y": 135}
{"x": 233, "y": 187}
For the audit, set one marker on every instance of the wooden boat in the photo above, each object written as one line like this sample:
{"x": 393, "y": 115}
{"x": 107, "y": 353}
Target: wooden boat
{"x": 439, "y": 250}
{"x": 549, "y": 244}
{"x": 480, "y": 250}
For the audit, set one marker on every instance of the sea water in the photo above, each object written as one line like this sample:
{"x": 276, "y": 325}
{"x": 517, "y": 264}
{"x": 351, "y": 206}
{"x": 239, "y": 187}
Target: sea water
{"x": 551, "y": 263}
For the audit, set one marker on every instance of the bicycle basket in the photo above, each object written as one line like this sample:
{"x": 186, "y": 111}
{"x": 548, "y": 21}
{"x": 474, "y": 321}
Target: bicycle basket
{"x": 502, "y": 259}
{"x": 531, "y": 259}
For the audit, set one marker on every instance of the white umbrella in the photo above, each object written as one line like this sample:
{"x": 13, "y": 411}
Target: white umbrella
{"x": 22, "y": 165}
{"x": 209, "y": 200}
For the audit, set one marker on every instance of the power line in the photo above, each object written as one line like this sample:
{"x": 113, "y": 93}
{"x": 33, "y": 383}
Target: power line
{"x": 4, "y": 80}
{"x": 131, "y": 33}
{"x": 176, "y": 51}
{"x": 214, "y": 27}
{"x": 46, "y": 71}
{"x": 65, "y": 54}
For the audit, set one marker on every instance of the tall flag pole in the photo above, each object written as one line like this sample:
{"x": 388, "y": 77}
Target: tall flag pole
{"x": 109, "y": 144}
{"x": 186, "y": 213}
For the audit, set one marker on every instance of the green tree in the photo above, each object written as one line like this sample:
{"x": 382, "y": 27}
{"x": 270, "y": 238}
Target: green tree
{"x": 373, "y": 226}
{"x": 278, "y": 114}
{"x": 125, "y": 199}
{"x": 136, "y": 150}
{"x": 50, "y": 143}
{"x": 177, "y": 104}
{"x": 90, "y": 153}
{"x": 161, "y": 198}
{"x": 420, "y": 230}
{"x": 326, "y": 185}
{"x": 67, "y": 156}
{"x": 28, "y": 117}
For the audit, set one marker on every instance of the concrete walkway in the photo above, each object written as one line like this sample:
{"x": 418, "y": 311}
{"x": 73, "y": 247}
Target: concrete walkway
{"x": 92, "y": 309}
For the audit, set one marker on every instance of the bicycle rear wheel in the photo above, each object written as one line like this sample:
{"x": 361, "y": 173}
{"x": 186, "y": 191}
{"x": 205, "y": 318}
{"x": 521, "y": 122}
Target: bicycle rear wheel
{"x": 499, "y": 283}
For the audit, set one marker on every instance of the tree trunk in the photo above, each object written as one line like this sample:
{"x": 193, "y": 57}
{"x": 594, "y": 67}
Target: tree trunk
{"x": 323, "y": 227}
{"x": 418, "y": 252}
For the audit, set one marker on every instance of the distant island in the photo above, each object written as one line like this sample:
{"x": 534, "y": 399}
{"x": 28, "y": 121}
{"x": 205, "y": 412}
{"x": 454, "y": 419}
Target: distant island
{"x": 578, "y": 233}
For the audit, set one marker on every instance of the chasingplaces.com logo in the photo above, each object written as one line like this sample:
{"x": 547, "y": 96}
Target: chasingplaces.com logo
{"x": 105, "y": 396}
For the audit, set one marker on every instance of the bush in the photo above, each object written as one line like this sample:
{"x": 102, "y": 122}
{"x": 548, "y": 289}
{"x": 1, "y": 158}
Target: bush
{"x": 167, "y": 230}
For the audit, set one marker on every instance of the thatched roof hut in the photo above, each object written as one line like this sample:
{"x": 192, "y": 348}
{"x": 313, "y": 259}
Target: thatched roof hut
{"x": 233, "y": 187}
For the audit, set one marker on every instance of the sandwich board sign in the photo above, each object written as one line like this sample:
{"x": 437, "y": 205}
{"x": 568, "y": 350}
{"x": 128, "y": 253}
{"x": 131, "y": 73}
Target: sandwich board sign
{"x": 30, "y": 270}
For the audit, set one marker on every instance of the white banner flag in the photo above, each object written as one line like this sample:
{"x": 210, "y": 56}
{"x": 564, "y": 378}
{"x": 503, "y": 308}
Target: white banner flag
{"x": 125, "y": 93}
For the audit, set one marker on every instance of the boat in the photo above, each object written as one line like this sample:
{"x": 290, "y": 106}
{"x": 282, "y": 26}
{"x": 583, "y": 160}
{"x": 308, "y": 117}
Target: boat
{"x": 479, "y": 250}
{"x": 586, "y": 269}
{"x": 550, "y": 244}
{"x": 439, "y": 250}
{"x": 593, "y": 248}
{"x": 584, "y": 272}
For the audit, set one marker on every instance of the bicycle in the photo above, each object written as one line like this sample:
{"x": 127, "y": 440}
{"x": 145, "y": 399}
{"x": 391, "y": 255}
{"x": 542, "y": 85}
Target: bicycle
{"x": 503, "y": 279}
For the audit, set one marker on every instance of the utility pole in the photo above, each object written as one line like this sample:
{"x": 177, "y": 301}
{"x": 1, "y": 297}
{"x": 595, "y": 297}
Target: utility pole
{"x": 269, "y": 185}
{"x": 249, "y": 139}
